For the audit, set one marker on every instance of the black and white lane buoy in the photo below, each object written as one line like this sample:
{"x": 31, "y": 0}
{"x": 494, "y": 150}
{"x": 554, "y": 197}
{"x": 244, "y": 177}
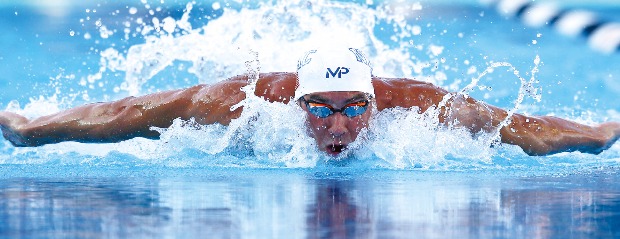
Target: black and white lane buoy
{"x": 601, "y": 35}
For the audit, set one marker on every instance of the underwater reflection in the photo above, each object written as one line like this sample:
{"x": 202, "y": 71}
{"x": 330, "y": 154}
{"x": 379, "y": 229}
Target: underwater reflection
{"x": 125, "y": 208}
{"x": 539, "y": 208}
{"x": 49, "y": 208}
{"x": 335, "y": 214}
{"x": 299, "y": 205}
{"x": 562, "y": 213}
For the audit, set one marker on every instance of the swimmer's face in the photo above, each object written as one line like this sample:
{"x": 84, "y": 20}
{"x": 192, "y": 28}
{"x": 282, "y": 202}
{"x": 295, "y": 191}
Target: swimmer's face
{"x": 333, "y": 133}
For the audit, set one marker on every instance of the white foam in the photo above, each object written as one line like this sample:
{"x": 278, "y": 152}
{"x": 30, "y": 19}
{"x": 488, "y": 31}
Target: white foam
{"x": 216, "y": 51}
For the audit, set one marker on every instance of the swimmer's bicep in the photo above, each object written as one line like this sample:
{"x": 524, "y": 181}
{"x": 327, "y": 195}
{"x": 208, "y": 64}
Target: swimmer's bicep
{"x": 217, "y": 105}
{"x": 475, "y": 115}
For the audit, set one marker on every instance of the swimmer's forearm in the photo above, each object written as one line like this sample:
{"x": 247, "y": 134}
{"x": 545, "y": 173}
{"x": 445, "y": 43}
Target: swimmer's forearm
{"x": 106, "y": 122}
{"x": 548, "y": 135}
{"x": 56, "y": 133}
{"x": 535, "y": 135}
{"x": 100, "y": 122}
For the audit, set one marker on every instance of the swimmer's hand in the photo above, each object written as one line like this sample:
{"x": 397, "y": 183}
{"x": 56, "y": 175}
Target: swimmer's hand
{"x": 11, "y": 124}
{"x": 610, "y": 133}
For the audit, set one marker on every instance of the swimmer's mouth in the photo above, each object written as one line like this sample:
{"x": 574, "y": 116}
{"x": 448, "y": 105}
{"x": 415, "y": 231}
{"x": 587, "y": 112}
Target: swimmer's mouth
{"x": 335, "y": 149}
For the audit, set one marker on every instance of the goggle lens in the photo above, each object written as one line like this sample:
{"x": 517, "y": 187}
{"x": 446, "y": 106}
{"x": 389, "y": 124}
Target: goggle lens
{"x": 324, "y": 110}
{"x": 354, "y": 110}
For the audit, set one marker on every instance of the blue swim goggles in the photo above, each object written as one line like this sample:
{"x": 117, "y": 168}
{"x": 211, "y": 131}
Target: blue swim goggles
{"x": 323, "y": 110}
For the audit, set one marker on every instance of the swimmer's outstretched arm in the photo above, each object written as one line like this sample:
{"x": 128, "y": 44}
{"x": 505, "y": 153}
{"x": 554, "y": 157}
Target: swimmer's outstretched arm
{"x": 548, "y": 135}
{"x": 540, "y": 135}
{"x": 127, "y": 118}
{"x": 535, "y": 135}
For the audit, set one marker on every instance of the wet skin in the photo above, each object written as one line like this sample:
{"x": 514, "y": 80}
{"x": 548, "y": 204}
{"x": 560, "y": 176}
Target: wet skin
{"x": 334, "y": 133}
{"x": 211, "y": 104}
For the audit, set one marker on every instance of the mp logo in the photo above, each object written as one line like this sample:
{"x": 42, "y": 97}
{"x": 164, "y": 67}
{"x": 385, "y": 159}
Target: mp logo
{"x": 339, "y": 71}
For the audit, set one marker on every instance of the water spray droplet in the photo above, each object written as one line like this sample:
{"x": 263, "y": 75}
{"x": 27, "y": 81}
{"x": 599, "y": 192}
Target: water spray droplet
{"x": 216, "y": 6}
{"x": 169, "y": 24}
{"x": 436, "y": 50}
{"x": 416, "y": 30}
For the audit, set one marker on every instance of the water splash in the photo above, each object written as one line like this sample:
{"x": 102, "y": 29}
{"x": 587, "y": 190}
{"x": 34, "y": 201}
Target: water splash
{"x": 268, "y": 38}
{"x": 527, "y": 89}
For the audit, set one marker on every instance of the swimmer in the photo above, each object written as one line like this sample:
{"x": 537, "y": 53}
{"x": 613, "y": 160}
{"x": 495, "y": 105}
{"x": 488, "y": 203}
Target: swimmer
{"x": 337, "y": 91}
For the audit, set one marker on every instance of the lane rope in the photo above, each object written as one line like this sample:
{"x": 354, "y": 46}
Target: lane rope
{"x": 602, "y": 36}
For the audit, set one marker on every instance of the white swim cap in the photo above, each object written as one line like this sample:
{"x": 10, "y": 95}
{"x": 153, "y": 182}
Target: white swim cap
{"x": 343, "y": 69}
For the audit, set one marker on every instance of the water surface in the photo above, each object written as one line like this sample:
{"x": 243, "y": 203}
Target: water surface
{"x": 266, "y": 179}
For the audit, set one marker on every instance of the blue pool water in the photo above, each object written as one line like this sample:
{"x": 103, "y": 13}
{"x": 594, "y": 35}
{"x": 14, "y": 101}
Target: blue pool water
{"x": 265, "y": 179}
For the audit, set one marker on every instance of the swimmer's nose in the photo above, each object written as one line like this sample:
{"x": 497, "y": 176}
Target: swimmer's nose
{"x": 338, "y": 125}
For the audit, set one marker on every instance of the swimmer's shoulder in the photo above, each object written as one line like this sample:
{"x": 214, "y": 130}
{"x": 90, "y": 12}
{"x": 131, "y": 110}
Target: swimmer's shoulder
{"x": 276, "y": 86}
{"x": 405, "y": 92}
{"x": 400, "y": 83}
{"x": 273, "y": 86}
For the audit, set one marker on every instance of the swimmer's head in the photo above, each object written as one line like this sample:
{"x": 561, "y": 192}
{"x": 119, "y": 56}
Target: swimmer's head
{"x": 333, "y": 70}
{"x": 335, "y": 90}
